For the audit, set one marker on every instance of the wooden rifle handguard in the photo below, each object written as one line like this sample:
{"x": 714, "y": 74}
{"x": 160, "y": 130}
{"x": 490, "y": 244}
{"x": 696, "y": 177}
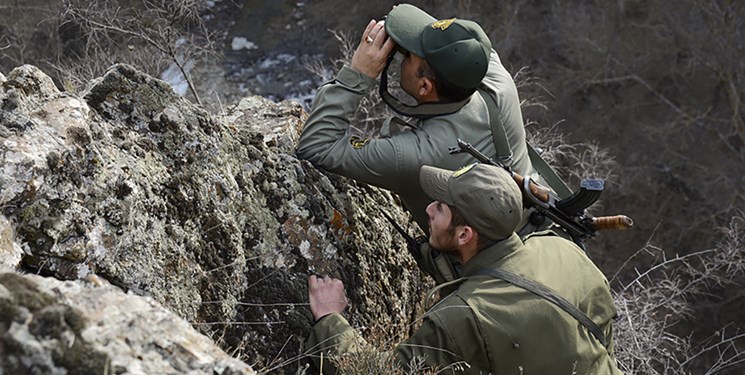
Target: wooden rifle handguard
{"x": 611, "y": 222}
{"x": 536, "y": 190}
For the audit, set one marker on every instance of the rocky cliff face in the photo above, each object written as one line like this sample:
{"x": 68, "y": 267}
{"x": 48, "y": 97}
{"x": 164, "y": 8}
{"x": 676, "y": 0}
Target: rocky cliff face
{"x": 211, "y": 216}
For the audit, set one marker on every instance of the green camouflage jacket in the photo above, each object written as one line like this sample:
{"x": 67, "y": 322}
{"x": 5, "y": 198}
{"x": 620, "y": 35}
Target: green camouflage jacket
{"x": 489, "y": 326}
{"x": 393, "y": 162}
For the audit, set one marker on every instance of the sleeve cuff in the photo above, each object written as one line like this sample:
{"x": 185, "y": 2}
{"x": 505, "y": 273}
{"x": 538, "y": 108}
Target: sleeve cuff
{"x": 321, "y": 318}
{"x": 354, "y": 80}
{"x": 332, "y": 319}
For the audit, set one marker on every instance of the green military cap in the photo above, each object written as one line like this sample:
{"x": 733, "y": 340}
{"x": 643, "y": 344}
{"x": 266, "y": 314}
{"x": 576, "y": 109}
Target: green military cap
{"x": 457, "y": 50}
{"x": 487, "y": 196}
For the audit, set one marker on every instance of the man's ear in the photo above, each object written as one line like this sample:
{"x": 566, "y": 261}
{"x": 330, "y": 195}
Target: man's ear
{"x": 466, "y": 234}
{"x": 426, "y": 88}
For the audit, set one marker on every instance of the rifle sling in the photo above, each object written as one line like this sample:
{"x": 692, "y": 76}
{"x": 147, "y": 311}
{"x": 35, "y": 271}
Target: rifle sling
{"x": 549, "y": 175}
{"x": 498, "y": 133}
{"x": 549, "y": 295}
{"x": 504, "y": 152}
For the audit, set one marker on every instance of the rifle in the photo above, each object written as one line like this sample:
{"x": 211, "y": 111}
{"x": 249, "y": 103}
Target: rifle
{"x": 569, "y": 213}
{"x": 411, "y": 243}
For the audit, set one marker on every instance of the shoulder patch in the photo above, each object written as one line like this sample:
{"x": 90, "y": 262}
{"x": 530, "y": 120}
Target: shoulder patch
{"x": 463, "y": 170}
{"x": 358, "y": 142}
{"x": 443, "y": 24}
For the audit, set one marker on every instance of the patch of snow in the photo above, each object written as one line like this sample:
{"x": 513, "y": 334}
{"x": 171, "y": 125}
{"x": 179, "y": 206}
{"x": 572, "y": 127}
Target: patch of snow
{"x": 286, "y": 57}
{"x": 268, "y": 63}
{"x": 240, "y": 42}
{"x": 173, "y": 76}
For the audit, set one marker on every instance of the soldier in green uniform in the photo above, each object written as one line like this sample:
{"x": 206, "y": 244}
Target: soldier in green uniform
{"x": 532, "y": 306}
{"x": 463, "y": 91}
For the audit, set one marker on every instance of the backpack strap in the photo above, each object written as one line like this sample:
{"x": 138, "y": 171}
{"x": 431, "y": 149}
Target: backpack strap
{"x": 549, "y": 295}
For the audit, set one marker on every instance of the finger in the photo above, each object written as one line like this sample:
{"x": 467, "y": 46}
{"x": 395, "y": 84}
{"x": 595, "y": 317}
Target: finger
{"x": 376, "y": 30}
{"x": 368, "y": 30}
{"x": 389, "y": 44}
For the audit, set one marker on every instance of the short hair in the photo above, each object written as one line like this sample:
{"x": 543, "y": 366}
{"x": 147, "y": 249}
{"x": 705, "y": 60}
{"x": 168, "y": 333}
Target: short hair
{"x": 458, "y": 219}
{"x": 445, "y": 89}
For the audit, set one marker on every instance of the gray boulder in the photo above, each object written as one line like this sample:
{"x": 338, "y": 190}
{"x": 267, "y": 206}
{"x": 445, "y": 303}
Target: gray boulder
{"x": 213, "y": 217}
{"x": 91, "y": 327}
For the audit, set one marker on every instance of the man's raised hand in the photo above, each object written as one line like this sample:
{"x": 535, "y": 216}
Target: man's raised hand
{"x": 373, "y": 50}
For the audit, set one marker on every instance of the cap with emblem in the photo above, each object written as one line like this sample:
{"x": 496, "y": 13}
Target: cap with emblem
{"x": 457, "y": 50}
{"x": 487, "y": 196}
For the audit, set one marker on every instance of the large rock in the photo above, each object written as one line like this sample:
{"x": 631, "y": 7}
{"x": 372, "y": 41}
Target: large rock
{"x": 91, "y": 327}
{"x": 212, "y": 217}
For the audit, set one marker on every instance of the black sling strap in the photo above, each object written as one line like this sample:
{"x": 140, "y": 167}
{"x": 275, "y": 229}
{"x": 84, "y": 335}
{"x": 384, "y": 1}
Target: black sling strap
{"x": 420, "y": 111}
{"x": 549, "y": 295}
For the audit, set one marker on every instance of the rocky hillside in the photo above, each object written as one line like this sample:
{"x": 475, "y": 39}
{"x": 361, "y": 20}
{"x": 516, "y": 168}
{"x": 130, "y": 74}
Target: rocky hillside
{"x": 140, "y": 200}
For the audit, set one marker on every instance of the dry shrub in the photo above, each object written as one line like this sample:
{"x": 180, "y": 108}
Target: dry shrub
{"x": 662, "y": 296}
{"x": 27, "y": 33}
{"x": 150, "y": 34}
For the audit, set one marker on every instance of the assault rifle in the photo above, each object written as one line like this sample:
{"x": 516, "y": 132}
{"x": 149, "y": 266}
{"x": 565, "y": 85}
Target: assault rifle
{"x": 569, "y": 213}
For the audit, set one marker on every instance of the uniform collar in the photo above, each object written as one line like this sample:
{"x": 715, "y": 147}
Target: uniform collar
{"x": 492, "y": 255}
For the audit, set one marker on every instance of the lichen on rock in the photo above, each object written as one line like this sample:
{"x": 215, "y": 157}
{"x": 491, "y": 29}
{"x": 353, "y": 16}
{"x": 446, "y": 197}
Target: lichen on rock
{"x": 211, "y": 216}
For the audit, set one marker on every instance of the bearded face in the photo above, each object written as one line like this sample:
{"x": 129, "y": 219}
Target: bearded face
{"x": 441, "y": 235}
